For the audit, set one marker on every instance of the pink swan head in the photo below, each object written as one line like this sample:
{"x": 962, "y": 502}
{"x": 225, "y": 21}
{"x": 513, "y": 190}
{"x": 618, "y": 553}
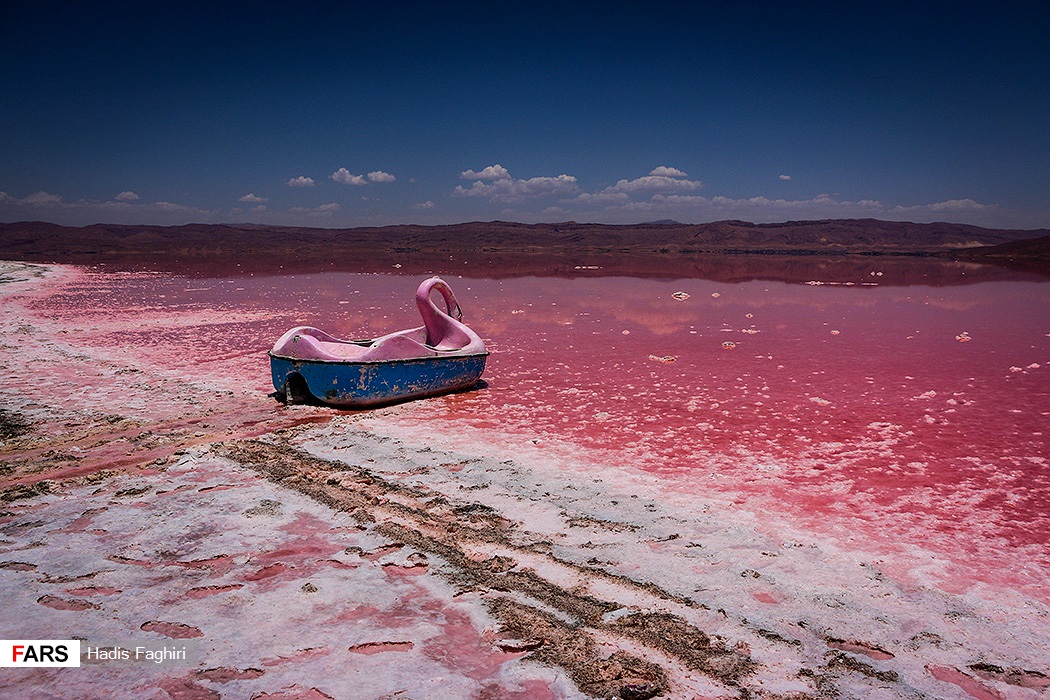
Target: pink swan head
{"x": 444, "y": 330}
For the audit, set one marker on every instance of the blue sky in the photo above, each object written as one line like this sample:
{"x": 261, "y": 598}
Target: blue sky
{"x": 346, "y": 114}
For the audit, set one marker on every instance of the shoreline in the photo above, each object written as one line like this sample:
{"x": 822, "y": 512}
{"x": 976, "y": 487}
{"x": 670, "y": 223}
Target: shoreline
{"x": 632, "y": 586}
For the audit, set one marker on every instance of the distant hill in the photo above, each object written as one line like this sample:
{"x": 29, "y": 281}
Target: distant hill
{"x": 1031, "y": 255}
{"x": 275, "y": 245}
{"x": 842, "y": 235}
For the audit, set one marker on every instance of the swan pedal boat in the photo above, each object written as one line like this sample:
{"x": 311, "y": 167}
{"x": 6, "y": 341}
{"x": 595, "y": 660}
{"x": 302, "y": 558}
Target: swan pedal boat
{"x": 441, "y": 356}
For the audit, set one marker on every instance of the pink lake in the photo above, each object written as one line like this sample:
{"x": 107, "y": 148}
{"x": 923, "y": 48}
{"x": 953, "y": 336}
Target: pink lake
{"x": 889, "y": 415}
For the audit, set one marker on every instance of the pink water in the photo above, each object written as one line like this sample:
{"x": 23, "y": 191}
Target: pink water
{"x": 885, "y": 416}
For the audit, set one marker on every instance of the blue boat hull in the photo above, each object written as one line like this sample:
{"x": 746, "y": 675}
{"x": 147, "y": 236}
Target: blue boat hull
{"x": 358, "y": 384}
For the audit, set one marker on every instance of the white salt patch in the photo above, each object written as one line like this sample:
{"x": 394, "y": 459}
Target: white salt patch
{"x": 700, "y": 547}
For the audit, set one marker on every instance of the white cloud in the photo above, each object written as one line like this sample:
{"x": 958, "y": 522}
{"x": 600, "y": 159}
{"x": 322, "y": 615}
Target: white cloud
{"x": 259, "y": 208}
{"x": 600, "y": 198}
{"x": 666, "y": 171}
{"x": 345, "y": 177}
{"x": 492, "y": 172}
{"x": 423, "y": 205}
{"x": 301, "y": 182}
{"x": 784, "y": 177}
{"x": 823, "y": 206}
{"x": 949, "y": 205}
{"x": 753, "y": 208}
{"x": 127, "y": 196}
{"x": 380, "y": 176}
{"x": 508, "y": 190}
{"x": 53, "y": 208}
{"x": 251, "y": 198}
{"x": 655, "y": 183}
{"x": 170, "y": 207}
{"x": 821, "y": 200}
{"x": 42, "y": 199}
{"x": 323, "y": 210}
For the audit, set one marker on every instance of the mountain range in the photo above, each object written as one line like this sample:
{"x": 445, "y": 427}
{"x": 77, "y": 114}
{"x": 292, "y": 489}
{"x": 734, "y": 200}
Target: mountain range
{"x": 275, "y": 245}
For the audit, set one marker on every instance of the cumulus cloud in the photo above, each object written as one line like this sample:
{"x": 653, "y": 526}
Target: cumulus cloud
{"x": 301, "y": 181}
{"x": 655, "y": 183}
{"x": 251, "y": 198}
{"x": 600, "y": 198}
{"x": 509, "y": 190}
{"x": 784, "y": 177}
{"x": 380, "y": 176}
{"x": 54, "y": 208}
{"x": 958, "y": 204}
{"x": 42, "y": 199}
{"x": 127, "y": 196}
{"x": 170, "y": 207}
{"x": 666, "y": 171}
{"x": 423, "y": 205}
{"x": 492, "y": 172}
{"x": 754, "y": 208}
{"x": 345, "y": 177}
{"x": 686, "y": 206}
{"x": 323, "y": 210}
{"x": 949, "y": 205}
{"x": 821, "y": 200}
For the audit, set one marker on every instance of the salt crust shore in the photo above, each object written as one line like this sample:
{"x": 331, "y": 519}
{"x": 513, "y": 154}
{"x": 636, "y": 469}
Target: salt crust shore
{"x": 314, "y": 554}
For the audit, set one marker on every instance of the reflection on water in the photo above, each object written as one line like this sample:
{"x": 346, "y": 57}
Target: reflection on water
{"x": 898, "y": 413}
{"x": 886, "y": 270}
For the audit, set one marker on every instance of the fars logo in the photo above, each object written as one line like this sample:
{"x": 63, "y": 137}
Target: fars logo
{"x": 34, "y": 653}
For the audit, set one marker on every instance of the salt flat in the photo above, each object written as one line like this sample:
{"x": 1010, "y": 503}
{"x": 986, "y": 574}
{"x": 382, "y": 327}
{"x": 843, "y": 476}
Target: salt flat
{"x": 309, "y": 553}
